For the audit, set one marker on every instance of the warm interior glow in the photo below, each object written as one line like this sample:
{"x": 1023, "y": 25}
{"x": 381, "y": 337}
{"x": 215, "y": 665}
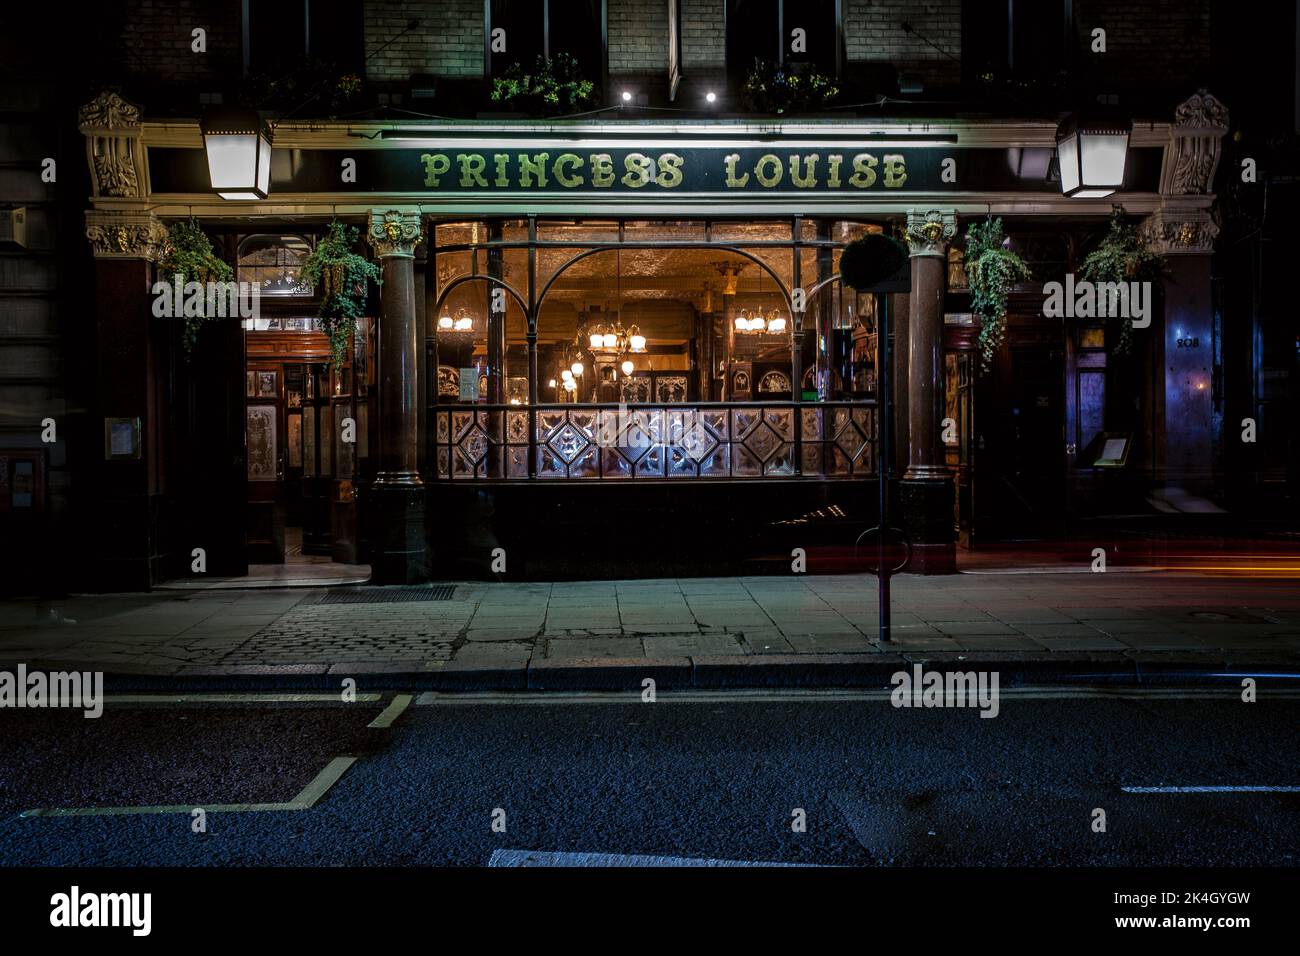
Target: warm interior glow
{"x": 576, "y": 368}
{"x": 627, "y": 367}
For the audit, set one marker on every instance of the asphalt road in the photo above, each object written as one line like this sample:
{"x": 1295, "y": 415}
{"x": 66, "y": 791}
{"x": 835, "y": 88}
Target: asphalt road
{"x": 719, "y": 778}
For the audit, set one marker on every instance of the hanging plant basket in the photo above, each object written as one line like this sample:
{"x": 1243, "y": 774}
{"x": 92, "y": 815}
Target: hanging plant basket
{"x": 1122, "y": 256}
{"x": 339, "y": 275}
{"x": 188, "y": 253}
{"x": 993, "y": 269}
{"x": 870, "y": 260}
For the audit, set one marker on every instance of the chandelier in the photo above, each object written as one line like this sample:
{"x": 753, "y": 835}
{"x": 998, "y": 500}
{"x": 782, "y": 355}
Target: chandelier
{"x": 461, "y": 323}
{"x": 611, "y": 338}
{"x": 756, "y": 322}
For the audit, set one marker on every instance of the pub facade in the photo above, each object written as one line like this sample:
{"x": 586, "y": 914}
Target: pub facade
{"x": 619, "y": 344}
{"x": 593, "y": 343}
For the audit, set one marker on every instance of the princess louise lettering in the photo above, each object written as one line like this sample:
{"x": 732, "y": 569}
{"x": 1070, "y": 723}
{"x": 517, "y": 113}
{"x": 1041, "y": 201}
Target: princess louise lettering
{"x": 711, "y": 171}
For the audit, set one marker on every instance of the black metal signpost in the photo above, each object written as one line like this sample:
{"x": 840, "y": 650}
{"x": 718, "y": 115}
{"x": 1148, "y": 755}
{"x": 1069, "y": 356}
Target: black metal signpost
{"x": 901, "y": 281}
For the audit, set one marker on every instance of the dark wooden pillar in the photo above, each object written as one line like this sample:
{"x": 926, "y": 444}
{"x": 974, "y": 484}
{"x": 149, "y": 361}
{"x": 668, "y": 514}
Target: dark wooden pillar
{"x": 400, "y": 550}
{"x": 899, "y": 305}
{"x": 926, "y": 491}
{"x": 124, "y": 507}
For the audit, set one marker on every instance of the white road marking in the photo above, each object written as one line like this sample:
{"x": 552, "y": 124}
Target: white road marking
{"x": 305, "y": 800}
{"x": 1212, "y": 789}
{"x": 813, "y": 695}
{"x": 247, "y": 698}
{"x": 516, "y": 858}
{"x": 392, "y": 711}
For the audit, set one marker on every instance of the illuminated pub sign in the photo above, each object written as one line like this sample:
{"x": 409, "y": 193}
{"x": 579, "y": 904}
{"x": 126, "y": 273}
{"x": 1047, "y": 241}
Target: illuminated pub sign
{"x": 652, "y": 167}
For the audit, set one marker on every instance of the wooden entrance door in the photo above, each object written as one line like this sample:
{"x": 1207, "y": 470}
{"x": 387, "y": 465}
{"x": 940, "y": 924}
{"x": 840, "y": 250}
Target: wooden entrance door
{"x": 1020, "y": 454}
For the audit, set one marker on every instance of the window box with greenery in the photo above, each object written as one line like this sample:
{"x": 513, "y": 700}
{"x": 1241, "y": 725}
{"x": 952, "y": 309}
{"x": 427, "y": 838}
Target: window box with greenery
{"x": 188, "y": 257}
{"x": 340, "y": 276}
{"x": 789, "y": 88}
{"x": 553, "y": 85}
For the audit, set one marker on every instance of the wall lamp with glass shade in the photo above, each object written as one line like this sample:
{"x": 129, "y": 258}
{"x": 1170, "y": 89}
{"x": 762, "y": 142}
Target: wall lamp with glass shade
{"x": 1092, "y": 153}
{"x": 238, "y": 147}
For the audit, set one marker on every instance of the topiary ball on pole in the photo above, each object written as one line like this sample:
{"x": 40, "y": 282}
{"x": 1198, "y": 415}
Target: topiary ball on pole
{"x": 870, "y": 260}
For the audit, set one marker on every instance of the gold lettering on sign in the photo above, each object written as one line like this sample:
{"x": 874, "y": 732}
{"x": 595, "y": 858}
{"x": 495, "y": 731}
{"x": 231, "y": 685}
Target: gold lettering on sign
{"x": 895, "y": 171}
{"x": 639, "y": 170}
{"x": 670, "y": 170}
{"x": 500, "y": 160}
{"x": 864, "y": 172}
{"x": 435, "y": 164}
{"x": 732, "y": 181}
{"x": 775, "y": 170}
{"x": 809, "y": 178}
{"x": 833, "y": 170}
{"x": 530, "y": 166}
{"x": 563, "y": 176}
{"x": 602, "y": 170}
{"x": 471, "y": 169}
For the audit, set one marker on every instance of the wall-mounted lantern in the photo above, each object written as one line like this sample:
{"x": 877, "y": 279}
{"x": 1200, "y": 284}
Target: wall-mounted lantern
{"x": 1092, "y": 153}
{"x": 238, "y": 146}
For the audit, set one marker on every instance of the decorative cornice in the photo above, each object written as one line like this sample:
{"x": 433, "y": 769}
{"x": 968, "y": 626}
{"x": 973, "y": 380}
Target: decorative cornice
{"x": 1172, "y": 232}
{"x": 1192, "y": 155}
{"x": 1201, "y": 110}
{"x": 394, "y": 232}
{"x": 125, "y": 235}
{"x": 108, "y": 111}
{"x": 929, "y": 231}
{"x": 114, "y": 153}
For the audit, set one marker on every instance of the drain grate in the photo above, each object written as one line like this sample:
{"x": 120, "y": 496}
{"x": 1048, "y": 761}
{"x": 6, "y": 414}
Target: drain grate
{"x": 389, "y": 595}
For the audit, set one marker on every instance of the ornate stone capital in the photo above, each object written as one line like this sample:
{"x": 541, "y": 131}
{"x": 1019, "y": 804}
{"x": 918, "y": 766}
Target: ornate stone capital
{"x": 394, "y": 232}
{"x": 930, "y": 230}
{"x": 1175, "y": 232}
{"x": 125, "y": 235}
{"x": 116, "y": 158}
{"x": 1192, "y": 155}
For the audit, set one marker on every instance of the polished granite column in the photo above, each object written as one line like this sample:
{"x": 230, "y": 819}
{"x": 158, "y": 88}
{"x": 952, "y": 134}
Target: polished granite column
{"x": 926, "y": 491}
{"x": 399, "y": 547}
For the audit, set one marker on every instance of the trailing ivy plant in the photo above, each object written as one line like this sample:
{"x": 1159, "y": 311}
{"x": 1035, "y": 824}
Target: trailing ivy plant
{"x": 795, "y": 87}
{"x": 1121, "y": 256}
{"x": 339, "y": 276}
{"x": 554, "y": 85}
{"x": 992, "y": 271}
{"x": 188, "y": 253}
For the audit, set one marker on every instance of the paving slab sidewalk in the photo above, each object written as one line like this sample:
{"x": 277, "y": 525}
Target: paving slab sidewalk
{"x": 697, "y": 632}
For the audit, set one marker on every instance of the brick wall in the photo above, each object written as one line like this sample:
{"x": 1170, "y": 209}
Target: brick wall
{"x": 448, "y": 42}
{"x": 157, "y": 36}
{"x": 1146, "y": 40}
{"x": 638, "y": 37}
{"x": 873, "y": 34}
{"x": 704, "y": 35}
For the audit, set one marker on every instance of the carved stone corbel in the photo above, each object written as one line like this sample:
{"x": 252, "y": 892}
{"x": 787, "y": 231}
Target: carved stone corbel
{"x": 114, "y": 153}
{"x": 1192, "y": 155}
{"x": 1179, "y": 232}
{"x": 115, "y": 234}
